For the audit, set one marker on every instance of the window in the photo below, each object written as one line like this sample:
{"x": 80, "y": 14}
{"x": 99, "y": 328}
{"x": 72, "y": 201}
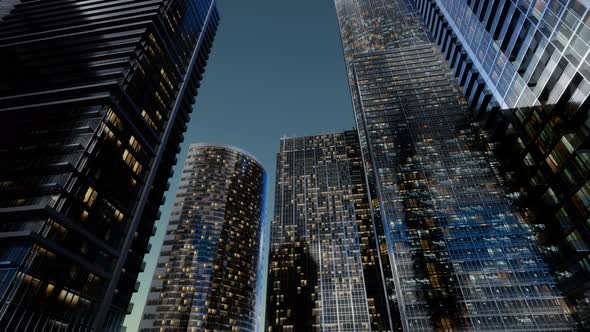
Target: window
{"x": 582, "y": 199}
{"x": 549, "y": 197}
{"x": 114, "y": 119}
{"x": 564, "y": 219}
{"x": 90, "y": 196}
{"x": 132, "y": 162}
{"x": 119, "y": 215}
{"x": 134, "y": 143}
{"x": 576, "y": 242}
{"x": 149, "y": 120}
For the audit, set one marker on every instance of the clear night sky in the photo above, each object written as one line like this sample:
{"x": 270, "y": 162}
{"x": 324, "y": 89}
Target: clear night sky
{"x": 276, "y": 69}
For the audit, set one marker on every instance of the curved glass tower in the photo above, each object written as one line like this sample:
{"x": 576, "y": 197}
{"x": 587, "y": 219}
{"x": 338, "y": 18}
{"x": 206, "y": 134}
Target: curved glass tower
{"x": 207, "y": 271}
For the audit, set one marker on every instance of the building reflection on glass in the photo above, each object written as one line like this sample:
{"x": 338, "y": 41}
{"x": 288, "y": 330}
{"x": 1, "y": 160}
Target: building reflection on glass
{"x": 525, "y": 64}
{"x": 548, "y": 165}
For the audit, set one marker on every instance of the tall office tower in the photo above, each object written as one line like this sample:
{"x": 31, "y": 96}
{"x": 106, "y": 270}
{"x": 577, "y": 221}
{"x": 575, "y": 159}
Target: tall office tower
{"x": 207, "y": 272}
{"x": 459, "y": 257}
{"x": 94, "y": 100}
{"x": 323, "y": 265}
{"x": 525, "y": 54}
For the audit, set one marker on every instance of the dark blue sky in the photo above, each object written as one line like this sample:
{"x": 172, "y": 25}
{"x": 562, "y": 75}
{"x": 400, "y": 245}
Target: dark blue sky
{"x": 276, "y": 68}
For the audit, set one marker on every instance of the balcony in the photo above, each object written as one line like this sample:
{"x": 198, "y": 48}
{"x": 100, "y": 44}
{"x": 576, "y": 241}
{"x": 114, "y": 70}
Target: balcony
{"x": 130, "y": 308}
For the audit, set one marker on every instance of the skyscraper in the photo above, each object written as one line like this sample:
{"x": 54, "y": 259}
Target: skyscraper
{"x": 525, "y": 53}
{"x": 323, "y": 266}
{"x": 207, "y": 273}
{"x": 94, "y": 100}
{"x": 459, "y": 256}
{"x": 530, "y": 61}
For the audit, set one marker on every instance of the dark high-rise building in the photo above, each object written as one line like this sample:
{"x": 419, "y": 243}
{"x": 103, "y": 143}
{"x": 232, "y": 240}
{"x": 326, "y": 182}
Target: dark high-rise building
{"x": 455, "y": 253}
{"x": 530, "y": 59}
{"x": 94, "y": 100}
{"x": 323, "y": 266}
{"x": 207, "y": 273}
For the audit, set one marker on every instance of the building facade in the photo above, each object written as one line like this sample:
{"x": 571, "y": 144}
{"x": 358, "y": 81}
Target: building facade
{"x": 547, "y": 163}
{"x": 323, "y": 264}
{"x": 207, "y": 273}
{"x": 529, "y": 61}
{"x": 94, "y": 100}
{"x": 459, "y": 255}
{"x": 526, "y": 53}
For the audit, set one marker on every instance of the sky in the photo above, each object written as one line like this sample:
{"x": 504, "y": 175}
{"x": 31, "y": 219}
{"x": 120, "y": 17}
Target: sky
{"x": 276, "y": 69}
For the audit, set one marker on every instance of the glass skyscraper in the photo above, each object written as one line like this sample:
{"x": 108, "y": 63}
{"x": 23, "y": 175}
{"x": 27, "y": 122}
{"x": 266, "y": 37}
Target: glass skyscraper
{"x": 207, "y": 273}
{"x": 94, "y": 100}
{"x": 323, "y": 266}
{"x": 529, "y": 62}
{"x": 455, "y": 254}
{"x": 526, "y": 52}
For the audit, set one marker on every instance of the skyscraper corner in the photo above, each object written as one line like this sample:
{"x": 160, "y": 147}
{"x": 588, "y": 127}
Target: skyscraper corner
{"x": 94, "y": 101}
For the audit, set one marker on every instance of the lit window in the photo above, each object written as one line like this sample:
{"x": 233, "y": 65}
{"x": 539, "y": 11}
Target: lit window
{"x": 132, "y": 162}
{"x": 134, "y": 143}
{"x": 90, "y": 196}
{"x": 49, "y": 289}
{"x": 109, "y": 133}
{"x": 119, "y": 215}
{"x": 114, "y": 119}
{"x": 149, "y": 120}
{"x": 166, "y": 78}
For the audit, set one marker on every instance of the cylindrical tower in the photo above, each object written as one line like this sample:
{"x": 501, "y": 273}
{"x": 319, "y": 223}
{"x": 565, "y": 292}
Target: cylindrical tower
{"x": 207, "y": 271}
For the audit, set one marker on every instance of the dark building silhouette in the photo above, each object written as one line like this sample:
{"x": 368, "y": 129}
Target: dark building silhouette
{"x": 293, "y": 283}
{"x": 94, "y": 100}
{"x": 207, "y": 273}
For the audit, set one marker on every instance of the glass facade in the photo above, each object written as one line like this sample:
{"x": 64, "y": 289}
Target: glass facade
{"x": 548, "y": 165}
{"x": 323, "y": 266}
{"x": 94, "y": 100}
{"x": 527, "y": 52}
{"x": 207, "y": 272}
{"x": 532, "y": 58}
{"x": 457, "y": 254}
